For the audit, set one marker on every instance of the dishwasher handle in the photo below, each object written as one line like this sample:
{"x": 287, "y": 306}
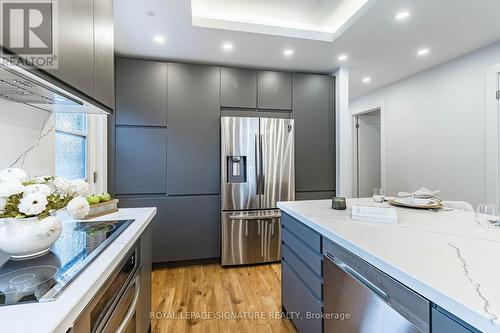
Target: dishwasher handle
{"x": 358, "y": 277}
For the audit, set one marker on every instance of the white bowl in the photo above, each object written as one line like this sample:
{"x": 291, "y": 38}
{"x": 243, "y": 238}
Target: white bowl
{"x": 23, "y": 238}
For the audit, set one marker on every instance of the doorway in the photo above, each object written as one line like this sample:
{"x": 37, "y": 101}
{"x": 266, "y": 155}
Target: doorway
{"x": 368, "y": 153}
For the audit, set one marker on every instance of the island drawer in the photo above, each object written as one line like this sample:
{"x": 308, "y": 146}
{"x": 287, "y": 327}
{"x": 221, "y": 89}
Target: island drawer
{"x": 312, "y": 259}
{"x": 311, "y": 280}
{"x": 301, "y": 306}
{"x": 306, "y": 234}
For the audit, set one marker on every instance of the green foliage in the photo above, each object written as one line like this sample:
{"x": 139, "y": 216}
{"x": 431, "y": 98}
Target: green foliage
{"x": 11, "y": 207}
{"x": 55, "y": 202}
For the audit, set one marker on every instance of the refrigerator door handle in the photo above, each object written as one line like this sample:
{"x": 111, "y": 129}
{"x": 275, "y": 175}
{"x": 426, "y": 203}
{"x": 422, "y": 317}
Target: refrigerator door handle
{"x": 257, "y": 165}
{"x": 262, "y": 176}
{"x": 255, "y": 217}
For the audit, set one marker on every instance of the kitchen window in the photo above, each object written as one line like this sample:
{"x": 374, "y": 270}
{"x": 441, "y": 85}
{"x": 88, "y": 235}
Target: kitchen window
{"x": 71, "y": 145}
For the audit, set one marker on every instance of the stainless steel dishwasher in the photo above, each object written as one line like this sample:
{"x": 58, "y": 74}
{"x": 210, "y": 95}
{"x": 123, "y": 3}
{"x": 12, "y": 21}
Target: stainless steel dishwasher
{"x": 360, "y": 298}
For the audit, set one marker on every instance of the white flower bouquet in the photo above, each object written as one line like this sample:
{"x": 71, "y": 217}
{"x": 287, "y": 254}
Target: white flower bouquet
{"x": 28, "y": 225}
{"x": 21, "y": 198}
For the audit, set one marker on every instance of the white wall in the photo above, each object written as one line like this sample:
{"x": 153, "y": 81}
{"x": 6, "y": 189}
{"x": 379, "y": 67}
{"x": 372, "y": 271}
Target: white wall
{"x": 435, "y": 127}
{"x": 26, "y": 136}
{"x": 343, "y": 158}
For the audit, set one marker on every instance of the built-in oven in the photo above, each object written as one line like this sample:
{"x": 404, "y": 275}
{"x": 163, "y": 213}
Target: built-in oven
{"x": 115, "y": 306}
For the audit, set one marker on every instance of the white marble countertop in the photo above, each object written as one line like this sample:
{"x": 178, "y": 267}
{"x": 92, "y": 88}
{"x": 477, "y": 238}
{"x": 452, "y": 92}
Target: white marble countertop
{"x": 59, "y": 315}
{"x": 446, "y": 256}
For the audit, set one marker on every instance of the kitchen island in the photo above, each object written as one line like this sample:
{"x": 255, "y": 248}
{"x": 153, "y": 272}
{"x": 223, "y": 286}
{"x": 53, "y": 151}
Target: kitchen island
{"x": 60, "y": 314}
{"x": 447, "y": 257}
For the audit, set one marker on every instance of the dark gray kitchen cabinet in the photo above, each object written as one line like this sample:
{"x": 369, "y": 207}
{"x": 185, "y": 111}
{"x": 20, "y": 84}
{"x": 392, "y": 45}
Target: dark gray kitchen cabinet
{"x": 314, "y": 195}
{"x": 313, "y": 110}
{"x": 193, "y": 227}
{"x": 76, "y": 44}
{"x": 104, "y": 54}
{"x": 442, "y": 323}
{"x": 141, "y": 92}
{"x": 238, "y": 88}
{"x": 141, "y": 160}
{"x": 144, "y": 321}
{"x": 158, "y": 225}
{"x": 298, "y": 301}
{"x": 193, "y": 129}
{"x": 301, "y": 274}
{"x": 274, "y": 90}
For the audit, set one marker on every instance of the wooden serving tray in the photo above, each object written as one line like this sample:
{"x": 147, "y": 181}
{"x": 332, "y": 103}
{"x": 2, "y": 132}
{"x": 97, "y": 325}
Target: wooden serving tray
{"x": 102, "y": 208}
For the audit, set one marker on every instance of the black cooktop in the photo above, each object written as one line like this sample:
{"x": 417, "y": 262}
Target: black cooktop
{"x": 43, "y": 278}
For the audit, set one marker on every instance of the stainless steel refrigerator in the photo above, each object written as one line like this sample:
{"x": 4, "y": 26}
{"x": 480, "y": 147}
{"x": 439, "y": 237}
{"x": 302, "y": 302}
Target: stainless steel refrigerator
{"x": 257, "y": 171}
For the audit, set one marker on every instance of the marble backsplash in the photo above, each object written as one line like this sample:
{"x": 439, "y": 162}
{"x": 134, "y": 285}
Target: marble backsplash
{"x": 27, "y": 138}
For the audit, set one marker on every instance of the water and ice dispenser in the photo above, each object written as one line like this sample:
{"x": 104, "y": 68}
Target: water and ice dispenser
{"x": 236, "y": 169}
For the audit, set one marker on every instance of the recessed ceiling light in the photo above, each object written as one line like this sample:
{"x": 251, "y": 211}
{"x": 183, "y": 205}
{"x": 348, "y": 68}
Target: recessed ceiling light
{"x": 227, "y": 46}
{"x": 423, "y": 52}
{"x": 288, "y": 52}
{"x": 366, "y": 79}
{"x": 342, "y": 57}
{"x": 159, "y": 39}
{"x": 402, "y": 15}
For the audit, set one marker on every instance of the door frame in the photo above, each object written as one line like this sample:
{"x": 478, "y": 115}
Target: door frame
{"x": 383, "y": 147}
{"x": 492, "y": 135}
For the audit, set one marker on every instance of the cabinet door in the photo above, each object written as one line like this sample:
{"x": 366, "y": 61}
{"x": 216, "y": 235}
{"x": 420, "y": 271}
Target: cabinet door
{"x": 238, "y": 88}
{"x": 193, "y": 129}
{"x": 76, "y": 45}
{"x": 298, "y": 301}
{"x": 193, "y": 227}
{"x": 274, "y": 90}
{"x": 104, "y": 57}
{"x": 321, "y": 195}
{"x": 141, "y": 92}
{"x": 158, "y": 225}
{"x": 313, "y": 111}
{"x": 141, "y": 160}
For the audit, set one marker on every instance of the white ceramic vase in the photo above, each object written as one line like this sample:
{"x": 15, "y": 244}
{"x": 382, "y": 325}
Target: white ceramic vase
{"x": 24, "y": 238}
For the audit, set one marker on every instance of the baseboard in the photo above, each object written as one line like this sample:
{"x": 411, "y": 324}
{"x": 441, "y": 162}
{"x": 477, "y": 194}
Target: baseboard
{"x": 186, "y": 263}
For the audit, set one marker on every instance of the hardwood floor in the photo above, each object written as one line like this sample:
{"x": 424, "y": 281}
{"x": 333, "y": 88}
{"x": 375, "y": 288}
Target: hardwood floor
{"x": 210, "y": 298}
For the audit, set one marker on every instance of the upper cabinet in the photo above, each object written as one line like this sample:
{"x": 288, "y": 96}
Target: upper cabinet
{"x": 86, "y": 48}
{"x": 104, "y": 57}
{"x": 76, "y": 45}
{"x": 141, "y": 92}
{"x": 274, "y": 90}
{"x": 244, "y": 88}
{"x": 238, "y": 88}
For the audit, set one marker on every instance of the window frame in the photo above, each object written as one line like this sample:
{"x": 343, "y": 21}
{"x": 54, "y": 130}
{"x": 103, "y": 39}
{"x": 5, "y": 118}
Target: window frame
{"x": 85, "y": 135}
{"x": 96, "y": 151}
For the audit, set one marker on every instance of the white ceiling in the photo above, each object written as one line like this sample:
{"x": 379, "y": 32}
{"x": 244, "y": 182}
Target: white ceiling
{"x": 310, "y": 19}
{"x": 377, "y": 45}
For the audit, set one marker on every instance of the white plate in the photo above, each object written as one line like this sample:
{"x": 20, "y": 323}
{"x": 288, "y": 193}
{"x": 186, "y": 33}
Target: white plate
{"x": 416, "y": 203}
